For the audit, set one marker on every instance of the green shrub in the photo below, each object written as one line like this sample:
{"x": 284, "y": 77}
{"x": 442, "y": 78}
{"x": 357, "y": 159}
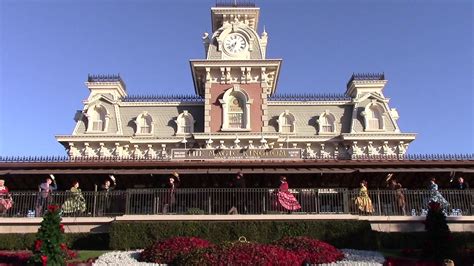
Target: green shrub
{"x": 415, "y": 240}
{"x": 75, "y": 241}
{"x": 342, "y": 234}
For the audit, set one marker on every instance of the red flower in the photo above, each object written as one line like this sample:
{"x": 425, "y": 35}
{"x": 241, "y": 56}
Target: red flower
{"x": 63, "y": 246}
{"x": 44, "y": 259}
{"x": 72, "y": 254}
{"x": 53, "y": 208}
{"x": 165, "y": 251}
{"x": 61, "y": 227}
{"x": 311, "y": 250}
{"x": 38, "y": 244}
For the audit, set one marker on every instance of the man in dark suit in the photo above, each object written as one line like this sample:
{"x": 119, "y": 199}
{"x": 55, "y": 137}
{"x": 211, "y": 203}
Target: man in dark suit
{"x": 44, "y": 196}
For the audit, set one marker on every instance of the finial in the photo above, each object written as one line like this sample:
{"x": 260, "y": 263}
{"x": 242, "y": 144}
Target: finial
{"x": 264, "y": 33}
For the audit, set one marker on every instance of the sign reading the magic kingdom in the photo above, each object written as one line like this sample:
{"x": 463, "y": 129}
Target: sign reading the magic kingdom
{"x": 234, "y": 154}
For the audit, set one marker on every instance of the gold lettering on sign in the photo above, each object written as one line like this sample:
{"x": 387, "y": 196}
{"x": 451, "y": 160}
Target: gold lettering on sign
{"x": 235, "y": 154}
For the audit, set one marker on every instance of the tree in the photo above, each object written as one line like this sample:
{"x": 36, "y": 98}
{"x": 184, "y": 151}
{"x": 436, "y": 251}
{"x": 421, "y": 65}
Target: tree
{"x": 438, "y": 244}
{"x": 50, "y": 247}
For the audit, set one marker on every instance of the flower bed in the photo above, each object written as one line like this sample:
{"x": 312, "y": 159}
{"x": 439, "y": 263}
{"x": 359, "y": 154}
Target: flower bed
{"x": 311, "y": 250}
{"x": 352, "y": 257}
{"x": 166, "y": 251}
{"x": 287, "y": 251}
{"x": 15, "y": 257}
{"x": 240, "y": 254}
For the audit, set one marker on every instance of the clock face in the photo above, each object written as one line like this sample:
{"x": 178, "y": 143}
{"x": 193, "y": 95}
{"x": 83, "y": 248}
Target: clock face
{"x": 235, "y": 43}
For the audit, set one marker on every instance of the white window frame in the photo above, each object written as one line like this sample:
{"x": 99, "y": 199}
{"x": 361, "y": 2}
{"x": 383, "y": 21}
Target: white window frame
{"x": 283, "y": 123}
{"x": 324, "y": 122}
{"x": 97, "y": 110}
{"x": 144, "y": 120}
{"x": 369, "y": 119}
{"x": 245, "y": 101}
{"x": 185, "y": 123}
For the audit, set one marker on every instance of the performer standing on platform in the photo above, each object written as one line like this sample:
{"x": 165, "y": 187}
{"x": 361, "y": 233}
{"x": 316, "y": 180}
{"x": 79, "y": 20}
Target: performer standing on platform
{"x": 76, "y": 202}
{"x": 399, "y": 196}
{"x": 435, "y": 195}
{"x": 363, "y": 201}
{"x": 238, "y": 197}
{"x": 169, "y": 199}
{"x": 461, "y": 184}
{"x": 6, "y": 201}
{"x": 106, "y": 189}
{"x": 285, "y": 198}
{"x": 44, "y": 197}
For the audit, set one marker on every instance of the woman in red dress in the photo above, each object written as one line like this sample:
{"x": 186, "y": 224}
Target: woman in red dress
{"x": 6, "y": 201}
{"x": 285, "y": 198}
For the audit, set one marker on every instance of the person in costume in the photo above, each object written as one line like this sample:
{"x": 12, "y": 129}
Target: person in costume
{"x": 44, "y": 197}
{"x": 169, "y": 199}
{"x": 284, "y": 197}
{"x": 394, "y": 185}
{"x": 75, "y": 202}
{"x": 105, "y": 195}
{"x": 6, "y": 201}
{"x": 435, "y": 195}
{"x": 461, "y": 184}
{"x": 238, "y": 197}
{"x": 363, "y": 201}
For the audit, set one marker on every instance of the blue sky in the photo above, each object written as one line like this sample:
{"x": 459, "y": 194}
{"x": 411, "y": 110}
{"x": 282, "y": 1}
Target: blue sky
{"x": 48, "y": 47}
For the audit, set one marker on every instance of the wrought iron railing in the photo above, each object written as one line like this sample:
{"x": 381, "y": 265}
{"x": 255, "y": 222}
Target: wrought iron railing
{"x": 233, "y": 201}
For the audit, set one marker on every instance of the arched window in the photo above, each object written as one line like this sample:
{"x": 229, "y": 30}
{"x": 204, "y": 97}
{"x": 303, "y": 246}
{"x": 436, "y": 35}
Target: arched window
{"x": 235, "y": 109}
{"x": 286, "y": 122}
{"x": 373, "y": 116}
{"x": 144, "y": 124}
{"x": 98, "y": 118}
{"x": 327, "y": 123}
{"x": 185, "y": 122}
{"x": 236, "y": 113}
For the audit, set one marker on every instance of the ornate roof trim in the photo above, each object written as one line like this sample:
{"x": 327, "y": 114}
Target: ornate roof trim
{"x": 164, "y": 98}
{"x": 407, "y": 157}
{"x": 105, "y": 78}
{"x": 310, "y": 97}
{"x": 235, "y": 3}
{"x": 366, "y": 76}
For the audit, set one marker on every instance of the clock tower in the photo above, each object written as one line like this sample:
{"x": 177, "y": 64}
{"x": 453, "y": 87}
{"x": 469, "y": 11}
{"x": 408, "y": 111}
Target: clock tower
{"x": 235, "y": 79}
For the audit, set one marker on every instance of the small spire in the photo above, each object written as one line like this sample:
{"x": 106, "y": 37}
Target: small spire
{"x": 264, "y": 33}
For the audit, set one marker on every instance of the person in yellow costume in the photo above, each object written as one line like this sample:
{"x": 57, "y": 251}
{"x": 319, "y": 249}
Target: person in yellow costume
{"x": 363, "y": 201}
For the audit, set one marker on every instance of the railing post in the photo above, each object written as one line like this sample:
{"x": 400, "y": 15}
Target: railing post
{"x": 378, "y": 202}
{"x": 127, "y": 202}
{"x": 316, "y": 201}
{"x": 209, "y": 202}
{"x": 94, "y": 208}
{"x": 264, "y": 205}
{"x": 345, "y": 196}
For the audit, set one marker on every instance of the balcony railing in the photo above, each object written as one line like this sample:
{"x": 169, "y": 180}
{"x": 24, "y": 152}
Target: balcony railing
{"x": 222, "y": 200}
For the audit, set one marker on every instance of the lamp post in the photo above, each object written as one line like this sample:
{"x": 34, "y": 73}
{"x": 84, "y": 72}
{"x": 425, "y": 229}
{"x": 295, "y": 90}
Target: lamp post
{"x": 209, "y": 143}
{"x": 236, "y": 142}
{"x": 264, "y": 143}
{"x": 184, "y": 141}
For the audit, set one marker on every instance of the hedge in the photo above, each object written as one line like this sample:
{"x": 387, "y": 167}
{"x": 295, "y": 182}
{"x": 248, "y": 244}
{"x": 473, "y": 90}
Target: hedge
{"x": 414, "y": 240}
{"x": 75, "y": 241}
{"x": 342, "y": 234}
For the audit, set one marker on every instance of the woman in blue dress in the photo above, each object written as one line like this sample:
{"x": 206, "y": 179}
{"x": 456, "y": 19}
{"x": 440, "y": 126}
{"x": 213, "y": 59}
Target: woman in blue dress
{"x": 435, "y": 195}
